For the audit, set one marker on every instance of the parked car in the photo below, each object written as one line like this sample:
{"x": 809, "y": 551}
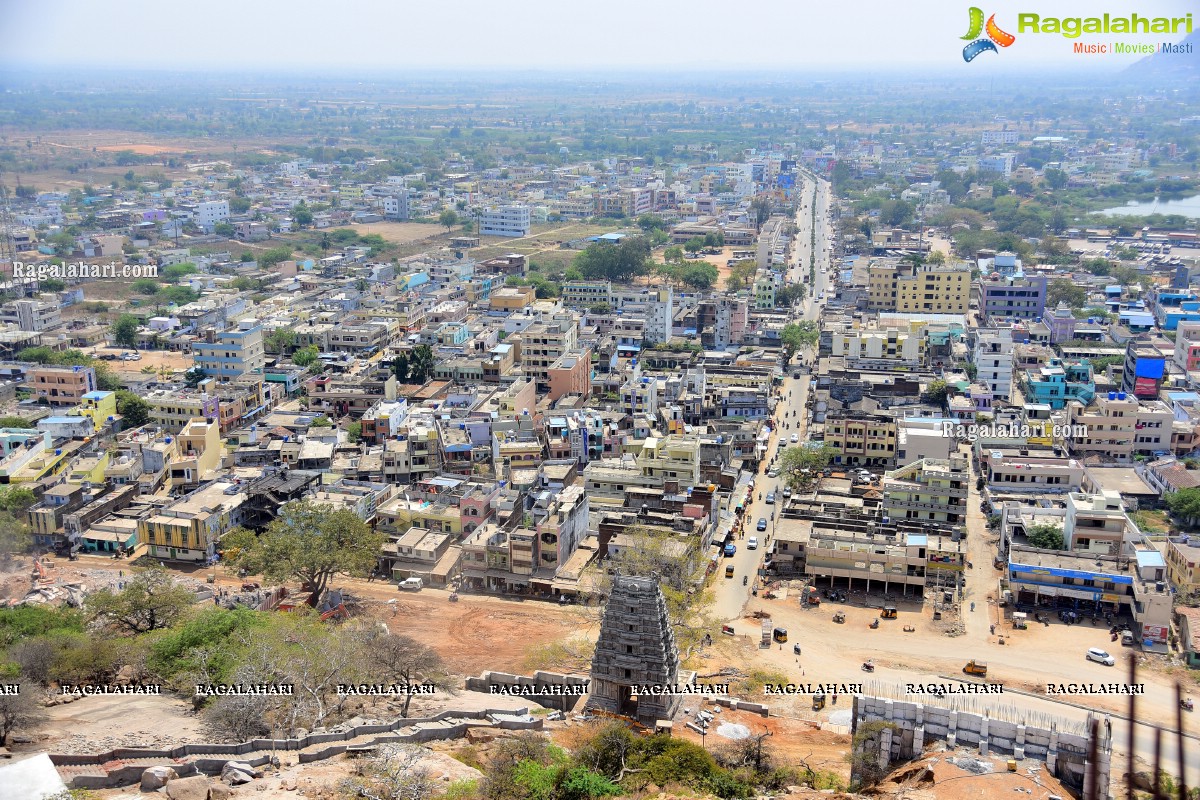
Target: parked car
{"x": 762, "y": 524}
{"x": 772, "y": 473}
{"x": 410, "y": 584}
{"x": 730, "y": 549}
{"x": 795, "y": 438}
{"x": 1101, "y": 657}
{"x": 770, "y": 498}
{"x": 787, "y": 491}
{"x": 752, "y": 543}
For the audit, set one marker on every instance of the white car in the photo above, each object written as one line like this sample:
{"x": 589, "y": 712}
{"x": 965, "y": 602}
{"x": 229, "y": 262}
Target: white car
{"x": 752, "y": 543}
{"x": 773, "y": 473}
{"x": 1101, "y": 657}
{"x": 795, "y": 438}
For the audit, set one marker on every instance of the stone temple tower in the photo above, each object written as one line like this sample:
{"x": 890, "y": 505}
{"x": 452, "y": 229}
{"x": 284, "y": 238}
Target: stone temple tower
{"x": 636, "y": 648}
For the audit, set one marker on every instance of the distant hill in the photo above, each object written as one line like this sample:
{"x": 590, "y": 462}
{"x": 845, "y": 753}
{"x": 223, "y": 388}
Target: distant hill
{"x": 1170, "y": 66}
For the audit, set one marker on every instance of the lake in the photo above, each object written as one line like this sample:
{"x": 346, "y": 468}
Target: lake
{"x": 1188, "y": 207}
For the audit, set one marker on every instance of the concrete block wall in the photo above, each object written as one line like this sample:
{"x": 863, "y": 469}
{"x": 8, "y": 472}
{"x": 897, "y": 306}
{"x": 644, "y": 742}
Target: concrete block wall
{"x": 1064, "y": 752}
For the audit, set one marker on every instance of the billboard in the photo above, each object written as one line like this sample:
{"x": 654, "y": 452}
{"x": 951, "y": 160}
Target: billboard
{"x": 1150, "y": 368}
{"x": 1146, "y": 387}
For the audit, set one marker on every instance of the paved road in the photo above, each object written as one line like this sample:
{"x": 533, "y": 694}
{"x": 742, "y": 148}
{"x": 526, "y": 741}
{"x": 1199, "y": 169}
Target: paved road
{"x": 732, "y": 594}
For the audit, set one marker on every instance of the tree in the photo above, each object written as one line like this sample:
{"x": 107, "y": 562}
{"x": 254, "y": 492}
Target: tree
{"x": 179, "y": 295}
{"x": 694, "y": 245}
{"x": 421, "y": 363}
{"x": 224, "y": 229}
{"x": 124, "y": 330}
{"x": 796, "y": 335}
{"x": 309, "y": 542}
{"x": 134, "y": 409}
{"x": 16, "y": 499}
{"x": 801, "y": 465}
{"x": 52, "y": 285}
{"x": 150, "y": 600}
{"x": 14, "y": 537}
{"x": 306, "y": 356}
{"x": 19, "y": 708}
{"x": 619, "y": 262}
{"x": 935, "y": 392}
{"x": 400, "y": 367}
{"x": 302, "y": 215}
{"x": 16, "y": 422}
{"x": 1047, "y": 537}
{"x": 673, "y": 254}
{"x": 281, "y": 340}
{"x": 391, "y": 657}
{"x": 936, "y": 258}
{"x": 194, "y": 377}
{"x": 176, "y": 272}
{"x": 146, "y": 286}
{"x": 448, "y": 219}
{"x": 394, "y": 772}
{"x": 1064, "y": 291}
{"x": 761, "y": 206}
{"x": 1055, "y": 178}
{"x": 700, "y": 276}
{"x": 1184, "y": 504}
{"x": 354, "y": 432}
{"x": 866, "y": 749}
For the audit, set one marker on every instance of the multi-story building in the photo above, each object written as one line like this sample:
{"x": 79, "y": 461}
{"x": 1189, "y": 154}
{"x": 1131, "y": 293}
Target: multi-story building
{"x": 61, "y": 386}
{"x": 512, "y": 221}
{"x": 190, "y": 528}
{"x": 908, "y": 288}
{"x": 933, "y": 489}
{"x": 861, "y": 439}
{"x": 584, "y": 294}
{"x": 1187, "y": 345}
{"x": 877, "y": 346}
{"x": 1106, "y": 428}
{"x": 1183, "y": 565}
{"x": 1059, "y": 382}
{"x": 543, "y": 343}
{"x": 1012, "y": 298}
{"x": 659, "y": 315}
{"x": 210, "y": 213}
{"x": 31, "y": 315}
{"x": 1145, "y": 368}
{"x": 993, "y": 361}
{"x": 231, "y": 354}
{"x": 1061, "y": 322}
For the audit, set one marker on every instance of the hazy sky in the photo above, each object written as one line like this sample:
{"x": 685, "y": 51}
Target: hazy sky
{"x": 544, "y": 34}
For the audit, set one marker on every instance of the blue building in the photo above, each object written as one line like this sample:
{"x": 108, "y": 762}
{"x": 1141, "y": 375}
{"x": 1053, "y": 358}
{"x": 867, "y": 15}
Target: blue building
{"x": 1058, "y": 382}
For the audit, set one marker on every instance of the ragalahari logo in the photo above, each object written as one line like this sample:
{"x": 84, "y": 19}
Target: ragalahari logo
{"x": 995, "y": 36}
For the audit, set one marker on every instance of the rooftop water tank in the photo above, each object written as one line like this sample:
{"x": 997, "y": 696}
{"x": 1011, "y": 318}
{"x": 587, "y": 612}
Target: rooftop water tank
{"x": 1120, "y": 395}
{"x": 1112, "y": 395}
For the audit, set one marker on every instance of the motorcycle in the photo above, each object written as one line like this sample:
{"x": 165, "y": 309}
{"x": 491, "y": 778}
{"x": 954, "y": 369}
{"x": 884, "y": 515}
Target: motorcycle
{"x": 745, "y": 579}
{"x": 868, "y": 666}
{"x": 874, "y": 624}
{"x": 1186, "y": 704}
{"x": 454, "y": 597}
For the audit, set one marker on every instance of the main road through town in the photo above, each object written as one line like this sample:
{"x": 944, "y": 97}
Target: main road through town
{"x": 841, "y": 662}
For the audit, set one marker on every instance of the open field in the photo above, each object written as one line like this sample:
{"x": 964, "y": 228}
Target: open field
{"x": 398, "y": 232}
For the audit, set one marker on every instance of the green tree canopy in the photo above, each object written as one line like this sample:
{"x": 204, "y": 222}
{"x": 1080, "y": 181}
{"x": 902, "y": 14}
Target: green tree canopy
{"x": 150, "y": 600}
{"x": 124, "y": 330}
{"x": 308, "y": 542}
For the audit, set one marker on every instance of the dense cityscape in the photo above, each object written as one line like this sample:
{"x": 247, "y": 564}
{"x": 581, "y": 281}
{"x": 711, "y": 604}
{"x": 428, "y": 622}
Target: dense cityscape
{"x": 515, "y": 437}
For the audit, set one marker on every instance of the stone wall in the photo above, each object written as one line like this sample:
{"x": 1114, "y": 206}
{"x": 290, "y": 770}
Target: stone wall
{"x": 1064, "y": 752}
{"x": 538, "y": 682}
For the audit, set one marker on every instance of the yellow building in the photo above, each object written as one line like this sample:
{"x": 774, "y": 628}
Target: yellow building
{"x": 189, "y": 529}
{"x": 927, "y": 289}
{"x": 89, "y": 468}
{"x": 1183, "y": 566}
{"x": 862, "y": 439}
{"x": 199, "y": 452}
{"x": 100, "y": 407}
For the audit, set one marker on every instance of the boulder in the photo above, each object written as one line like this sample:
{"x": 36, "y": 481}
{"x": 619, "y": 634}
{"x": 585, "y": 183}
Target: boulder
{"x": 219, "y": 791}
{"x": 125, "y": 675}
{"x": 241, "y": 766}
{"x": 193, "y": 788}
{"x": 157, "y": 777}
{"x": 235, "y": 777}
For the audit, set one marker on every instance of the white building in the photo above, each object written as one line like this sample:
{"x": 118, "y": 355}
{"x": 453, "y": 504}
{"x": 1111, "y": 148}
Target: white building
{"x": 211, "y": 212}
{"x": 660, "y": 313}
{"x": 396, "y": 206}
{"x": 504, "y": 221}
{"x": 994, "y": 362}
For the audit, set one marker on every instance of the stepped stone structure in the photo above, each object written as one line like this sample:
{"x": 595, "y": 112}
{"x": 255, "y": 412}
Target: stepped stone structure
{"x": 636, "y": 649}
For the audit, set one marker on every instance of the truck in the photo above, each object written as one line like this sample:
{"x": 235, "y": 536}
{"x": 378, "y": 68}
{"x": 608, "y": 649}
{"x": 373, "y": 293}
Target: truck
{"x": 410, "y": 584}
{"x": 974, "y": 667}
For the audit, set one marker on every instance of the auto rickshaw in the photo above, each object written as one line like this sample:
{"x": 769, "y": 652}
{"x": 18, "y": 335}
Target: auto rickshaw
{"x": 818, "y": 701}
{"x": 889, "y": 612}
{"x": 839, "y": 617}
{"x": 779, "y": 634}
{"x": 729, "y": 570}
